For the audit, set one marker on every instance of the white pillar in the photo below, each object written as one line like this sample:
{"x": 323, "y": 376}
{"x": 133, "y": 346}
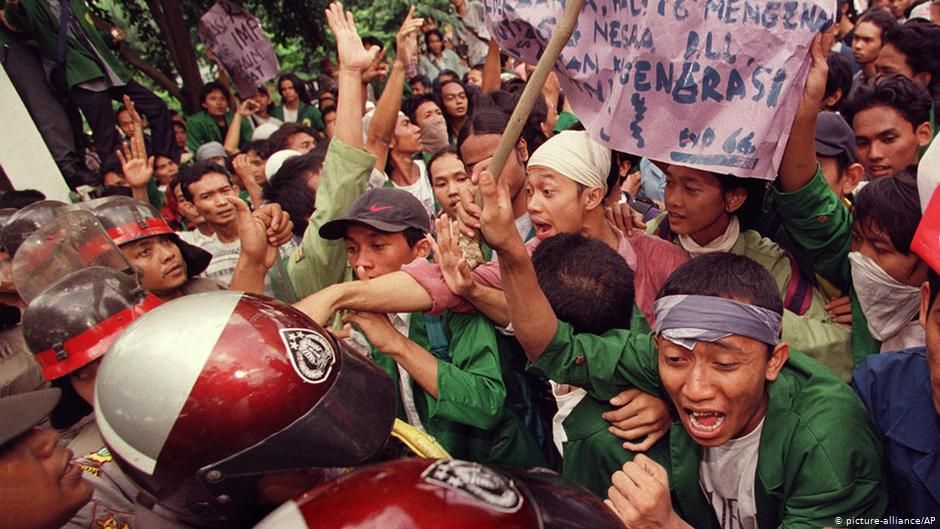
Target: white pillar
{"x": 23, "y": 155}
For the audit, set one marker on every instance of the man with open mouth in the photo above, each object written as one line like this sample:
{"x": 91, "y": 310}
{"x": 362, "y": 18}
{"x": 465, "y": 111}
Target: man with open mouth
{"x": 766, "y": 437}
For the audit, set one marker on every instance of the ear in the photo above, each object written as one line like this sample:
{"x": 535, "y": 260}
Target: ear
{"x": 833, "y": 99}
{"x": 923, "y": 78}
{"x": 422, "y": 248}
{"x": 734, "y": 199}
{"x": 924, "y": 133}
{"x": 235, "y": 188}
{"x": 592, "y": 197}
{"x": 522, "y": 150}
{"x": 924, "y": 304}
{"x": 852, "y": 176}
{"x": 777, "y": 360}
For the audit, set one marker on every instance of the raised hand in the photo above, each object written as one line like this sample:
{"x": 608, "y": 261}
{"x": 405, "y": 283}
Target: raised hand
{"x": 252, "y": 232}
{"x": 497, "y": 222}
{"x": 406, "y": 41}
{"x": 349, "y": 49}
{"x": 447, "y": 254}
{"x": 815, "y": 88}
{"x": 135, "y": 164}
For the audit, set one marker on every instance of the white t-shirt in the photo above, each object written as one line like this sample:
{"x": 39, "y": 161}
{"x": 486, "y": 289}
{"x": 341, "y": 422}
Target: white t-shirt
{"x": 727, "y": 475}
{"x": 224, "y": 255}
{"x": 421, "y": 189}
{"x": 290, "y": 116}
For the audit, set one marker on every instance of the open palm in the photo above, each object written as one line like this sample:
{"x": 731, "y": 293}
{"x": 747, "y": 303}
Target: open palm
{"x": 349, "y": 49}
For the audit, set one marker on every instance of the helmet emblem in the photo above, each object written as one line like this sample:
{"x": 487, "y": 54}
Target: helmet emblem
{"x": 477, "y": 481}
{"x": 310, "y": 354}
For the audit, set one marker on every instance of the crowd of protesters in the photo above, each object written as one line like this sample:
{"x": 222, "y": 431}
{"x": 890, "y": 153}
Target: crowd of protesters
{"x": 316, "y": 306}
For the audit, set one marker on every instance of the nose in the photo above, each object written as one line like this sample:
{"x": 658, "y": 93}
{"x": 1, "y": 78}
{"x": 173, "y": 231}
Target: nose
{"x": 875, "y": 151}
{"x": 42, "y": 442}
{"x": 698, "y": 386}
{"x": 362, "y": 258}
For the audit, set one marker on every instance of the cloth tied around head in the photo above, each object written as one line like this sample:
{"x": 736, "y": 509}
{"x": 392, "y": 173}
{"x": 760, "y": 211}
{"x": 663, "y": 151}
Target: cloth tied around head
{"x": 685, "y": 320}
{"x": 575, "y": 155}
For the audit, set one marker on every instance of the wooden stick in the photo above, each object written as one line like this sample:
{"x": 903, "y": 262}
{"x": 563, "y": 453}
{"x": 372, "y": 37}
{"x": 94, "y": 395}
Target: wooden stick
{"x": 533, "y": 88}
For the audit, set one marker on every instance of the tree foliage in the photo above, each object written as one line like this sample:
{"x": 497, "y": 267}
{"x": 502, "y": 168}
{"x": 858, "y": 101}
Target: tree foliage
{"x": 296, "y": 27}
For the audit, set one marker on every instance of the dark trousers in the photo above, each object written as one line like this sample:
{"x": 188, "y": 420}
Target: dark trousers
{"x": 100, "y": 116}
{"x": 24, "y": 66}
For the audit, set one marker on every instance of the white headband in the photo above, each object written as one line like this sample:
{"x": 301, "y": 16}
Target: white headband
{"x": 575, "y": 155}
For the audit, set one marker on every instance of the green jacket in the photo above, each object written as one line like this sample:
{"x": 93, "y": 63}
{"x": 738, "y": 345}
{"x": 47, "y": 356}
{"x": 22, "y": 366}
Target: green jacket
{"x": 821, "y": 225}
{"x": 201, "y": 129}
{"x": 476, "y": 415}
{"x": 307, "y": 115}
{"x": 819, "y": 456}
{"x": 318, "y": 263}
{"x": 81, "y": 65}
{"x": 589, "y": 439}
{"x": 813, "y": 331}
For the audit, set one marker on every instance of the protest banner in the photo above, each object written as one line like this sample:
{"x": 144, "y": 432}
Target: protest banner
{"x": 711, "y": 84}
{"x": 234, "y": 35}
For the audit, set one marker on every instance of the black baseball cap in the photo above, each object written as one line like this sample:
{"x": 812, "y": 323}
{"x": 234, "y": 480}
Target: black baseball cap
{"x": 383, "y": 209}
{"x": 834, "y": 137}
{"x": 19, "y": 413}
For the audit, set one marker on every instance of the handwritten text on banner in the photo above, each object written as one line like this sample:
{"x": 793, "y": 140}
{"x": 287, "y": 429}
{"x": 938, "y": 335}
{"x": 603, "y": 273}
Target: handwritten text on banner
{"x": 711, "y": 84}
{"x": 234, "y": 35}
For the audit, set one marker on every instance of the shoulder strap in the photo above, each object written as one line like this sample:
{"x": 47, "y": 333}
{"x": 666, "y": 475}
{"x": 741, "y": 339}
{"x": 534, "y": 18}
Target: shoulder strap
{"x": 434, "y": 326}
{"x": 799, "y": 290}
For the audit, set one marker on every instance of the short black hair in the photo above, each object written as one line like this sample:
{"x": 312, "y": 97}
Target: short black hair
{"x": 412, "y": 103}
{"x": 327, "y": 109}
{"x": 725, "y": 275}
{"x": 288, "y": 187}
{"x": 371, "y": 40}
{"x": 213, "y": 86}
{"x": 486, "y": 121}
{"x": 840, "y": 77}
{"x": 919, "y": 41}
{"x": 882, "y": 18}
{"x": 261, "y": 147}
{"x": 194, "y": 173}
{"x": 433, "y": 31}
{"x": 586, "y": 282}
{"x": 448, "y": 149}
{"x": 413, "y": 236}
{"x": 278, "y": 140}
{"x": 892, "y": 204}
{"x": 423, "y": 79}
{"x": 906, "y": 97}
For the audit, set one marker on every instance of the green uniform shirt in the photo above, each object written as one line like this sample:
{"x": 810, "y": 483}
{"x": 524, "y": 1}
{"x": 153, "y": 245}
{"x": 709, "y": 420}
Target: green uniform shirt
{"x": 813, "y": 332}
{"x": 475, "y": 417}
{"x": 819, "y": 456}
{"x": 81, "y": 65}
{"x": 821, "y": 225}
{"x": 201, "y": 128}
{"x": 307, "y": 115}
{"x": 318, "y": 262}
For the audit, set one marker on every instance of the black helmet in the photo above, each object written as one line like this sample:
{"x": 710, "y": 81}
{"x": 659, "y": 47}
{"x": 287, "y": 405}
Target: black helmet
{"x": 74, "y": 321}
{"x": 24, "y": 222}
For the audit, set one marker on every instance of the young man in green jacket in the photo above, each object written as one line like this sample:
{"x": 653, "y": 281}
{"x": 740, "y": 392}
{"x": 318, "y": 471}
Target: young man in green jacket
{"x": 765, "y": 434}
{"x": 292, "y": 108}
{"x": 212, "y": 122}
{"x": 865, "y": 252}
{"x": 94, "y": 75}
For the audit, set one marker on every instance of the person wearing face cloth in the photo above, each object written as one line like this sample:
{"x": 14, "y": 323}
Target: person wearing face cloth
{"x": 902, "y": 393}
{"x": 866, "y": 251}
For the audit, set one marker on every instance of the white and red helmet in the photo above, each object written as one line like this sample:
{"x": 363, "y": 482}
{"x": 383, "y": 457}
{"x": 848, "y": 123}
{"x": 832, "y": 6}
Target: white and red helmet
{"x": 203, "y": 396}
{"x": 444, "y": 494}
